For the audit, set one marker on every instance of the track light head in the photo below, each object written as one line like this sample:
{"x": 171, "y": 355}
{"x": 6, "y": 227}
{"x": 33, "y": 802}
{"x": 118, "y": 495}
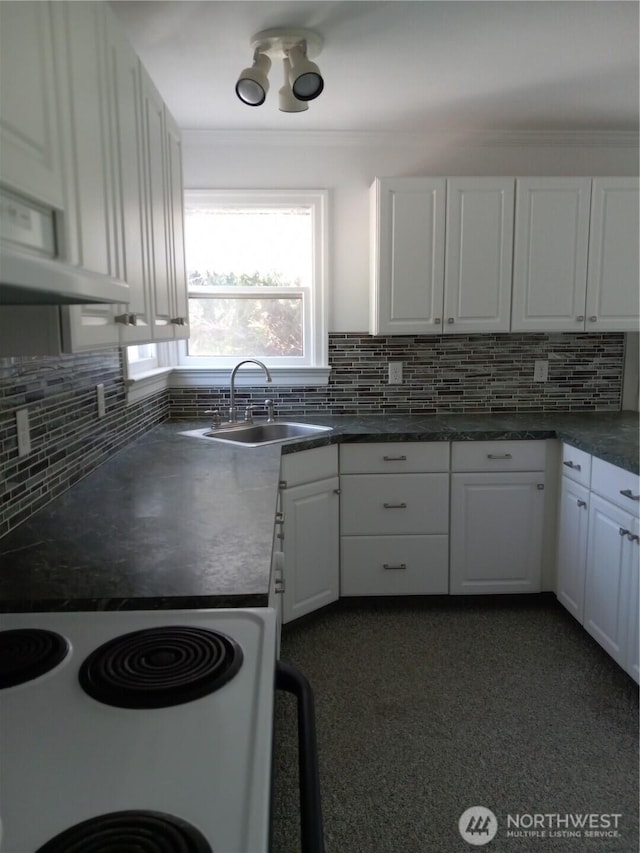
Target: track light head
{"x": 287, "y": 102}
{"x": 253, "y": 83}
{"x": 304, "y": 76}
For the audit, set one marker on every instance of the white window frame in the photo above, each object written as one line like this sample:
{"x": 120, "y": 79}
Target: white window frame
{"x": 312, "y": 368}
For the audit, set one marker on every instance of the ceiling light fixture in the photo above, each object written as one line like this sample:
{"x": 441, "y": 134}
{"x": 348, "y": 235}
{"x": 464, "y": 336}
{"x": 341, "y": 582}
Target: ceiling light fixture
{"x": 303, "y": 81}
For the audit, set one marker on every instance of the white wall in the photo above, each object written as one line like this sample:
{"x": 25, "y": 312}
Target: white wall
{"x": 346, "y": 164}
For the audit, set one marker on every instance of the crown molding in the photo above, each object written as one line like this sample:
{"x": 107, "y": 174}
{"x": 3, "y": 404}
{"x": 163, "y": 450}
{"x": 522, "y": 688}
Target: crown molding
{"x": 384, "y": 139}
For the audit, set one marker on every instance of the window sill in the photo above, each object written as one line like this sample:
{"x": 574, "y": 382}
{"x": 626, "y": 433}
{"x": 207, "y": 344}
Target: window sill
{"x": 147, "y": 383}
{"x": 185, "y": 377}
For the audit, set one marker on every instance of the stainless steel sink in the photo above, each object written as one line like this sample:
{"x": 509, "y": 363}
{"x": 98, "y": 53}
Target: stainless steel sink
{"x": 257, "y": 435}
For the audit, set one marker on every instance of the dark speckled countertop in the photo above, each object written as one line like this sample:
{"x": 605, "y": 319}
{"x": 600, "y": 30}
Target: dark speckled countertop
{"x": 172, "y": 521}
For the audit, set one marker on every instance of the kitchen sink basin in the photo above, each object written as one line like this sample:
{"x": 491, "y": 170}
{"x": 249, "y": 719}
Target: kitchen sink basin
{"x": 257, "y": 435}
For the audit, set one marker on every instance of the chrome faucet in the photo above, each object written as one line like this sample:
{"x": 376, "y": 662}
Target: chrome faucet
{"x": 232, "y": 389}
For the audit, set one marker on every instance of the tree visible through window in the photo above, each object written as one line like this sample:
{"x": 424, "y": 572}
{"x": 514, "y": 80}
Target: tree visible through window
{"x": 255, "y": 272}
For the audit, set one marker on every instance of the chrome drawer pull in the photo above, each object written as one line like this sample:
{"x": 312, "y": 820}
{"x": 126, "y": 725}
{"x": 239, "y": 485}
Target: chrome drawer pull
{"x": 499, "y": 456}
{"x": 629, "y": 494}
{"x": 624, "y": 532}
{"x": 573, "y": 465}
{"x": 394, "y": 458}
{"x": 389, "y": 568}
{"x": 395, "y": 506}
{"x": 582, "y": 503}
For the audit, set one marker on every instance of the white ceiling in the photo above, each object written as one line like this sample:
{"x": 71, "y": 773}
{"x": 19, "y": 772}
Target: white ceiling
{"x": 417, "y": 66}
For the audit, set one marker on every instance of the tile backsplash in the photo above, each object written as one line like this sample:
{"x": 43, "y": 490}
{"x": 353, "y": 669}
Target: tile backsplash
{"x": 442, "y": 374}
{"x": 445, "y": 374}
{"x": 68, "y": 440}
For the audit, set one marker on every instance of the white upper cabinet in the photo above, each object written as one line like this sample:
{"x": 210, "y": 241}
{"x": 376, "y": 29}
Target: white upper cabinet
{"x": 120, "y": 205}
{"x": 479, "y": 254}
{"x": 576, "y": 255}
{"x": 90, "y": 233}
{"x": 613, "y": 292}
{"x": 407, "y": 265}
{"x": 31, "y": 161}
{"x": 550, "y": 254}
{"x": 426, "y": 283}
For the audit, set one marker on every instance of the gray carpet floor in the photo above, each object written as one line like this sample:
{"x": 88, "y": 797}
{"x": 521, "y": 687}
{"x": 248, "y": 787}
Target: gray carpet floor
{"x": 428, "y": 706}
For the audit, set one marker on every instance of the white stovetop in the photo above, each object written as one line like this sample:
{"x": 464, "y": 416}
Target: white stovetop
{"x": 67, "y": 757}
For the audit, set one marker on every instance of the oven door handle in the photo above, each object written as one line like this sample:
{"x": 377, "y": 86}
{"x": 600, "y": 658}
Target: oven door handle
{"x": 291, "y": 680}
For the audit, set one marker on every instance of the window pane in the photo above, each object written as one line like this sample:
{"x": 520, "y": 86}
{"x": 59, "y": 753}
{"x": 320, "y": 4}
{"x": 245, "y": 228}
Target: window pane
{"x": 249, "y": 246}
{"x": 248, "y": 326}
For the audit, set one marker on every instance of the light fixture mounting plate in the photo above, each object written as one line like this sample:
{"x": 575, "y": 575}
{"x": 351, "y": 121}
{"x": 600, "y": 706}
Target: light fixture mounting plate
{"x": 276, "y": 42}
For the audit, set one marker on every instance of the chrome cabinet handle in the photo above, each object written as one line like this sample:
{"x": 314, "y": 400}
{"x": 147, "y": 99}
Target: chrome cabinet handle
{"x": 593, "y": 319}
{"x": 394, "y": 458}
{"x": 582, "y": 503}
{"x": 437, "y": 320}
{"x": 177, "y": 321}
{"x": 499, "y": 456}
{"x": 279, "y": 517}
{"x": 395, "y": 506}
{"x": 573, "y": 465}
{"x": 127, "y": 319}
{"x": 632, "y": 537}
{"x": 389, "y": 568}
{"x": 450, "y": 320}
{"x": 580, "y": 318}
{"x": 629, "y": 494}
{"x": 337, "y": 491}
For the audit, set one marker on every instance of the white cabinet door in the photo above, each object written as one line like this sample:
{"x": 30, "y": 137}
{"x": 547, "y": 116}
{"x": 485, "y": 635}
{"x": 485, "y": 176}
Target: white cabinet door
{"x": 311, "y": 547}
{"x": 609, "y": 563}
{"x": 157, "y": 233}
{"x": 613, "y": 294}
{"x": 550, "y": 254}
{"x": 90, "y": 232}
{"x": 31, "y": 161}
{"x": 496, "y": 532}
{"x": 478, "y": 255}
{"x": 407, "y": 265}
{"x": 632, "y": 655}
{"x": 572, "y": 546}
{"x": 175, "y": 219}
{"x": 125, "y": 104}
{"x": 87, "y": 327}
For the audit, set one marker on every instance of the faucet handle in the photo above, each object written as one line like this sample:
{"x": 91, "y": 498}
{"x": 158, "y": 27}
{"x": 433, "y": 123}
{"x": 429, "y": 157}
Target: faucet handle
{"x": 269, "y": 406}
{"x": 215, "y": 417}
{"x": 248, "y": 414}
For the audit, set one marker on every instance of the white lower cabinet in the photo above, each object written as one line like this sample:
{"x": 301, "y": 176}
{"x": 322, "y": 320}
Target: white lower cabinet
{"x": 496, "y": 532}
{"x": 598, "y": 556}
{"x": 309, "y": 527}
{"x": 632, "y": 653}
{"x": 572, "y": 546}
{"x": 394, "y": 526}
{"x": 610, "y": 555}
{"x": 394, "y": 565}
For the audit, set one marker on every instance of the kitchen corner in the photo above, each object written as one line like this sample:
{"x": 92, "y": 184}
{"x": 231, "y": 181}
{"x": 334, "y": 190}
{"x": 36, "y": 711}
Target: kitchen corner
{"x": 176, "y": 522}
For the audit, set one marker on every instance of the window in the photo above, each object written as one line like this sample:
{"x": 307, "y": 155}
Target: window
{"x": 141, "y": 359}
{"x": 256, "y": 272}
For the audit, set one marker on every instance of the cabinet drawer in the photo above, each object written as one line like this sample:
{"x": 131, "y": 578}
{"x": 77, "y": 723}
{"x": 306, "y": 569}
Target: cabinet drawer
{"x": 616, "y": 485}
{"x": 306, "y": 466}
{"x": 387, "y": 504}
{"x": 576, "y": 464}
{"x": 498, "y": 456}
{"x": 394, "y": 457}
{"x": 394, "y": 565}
